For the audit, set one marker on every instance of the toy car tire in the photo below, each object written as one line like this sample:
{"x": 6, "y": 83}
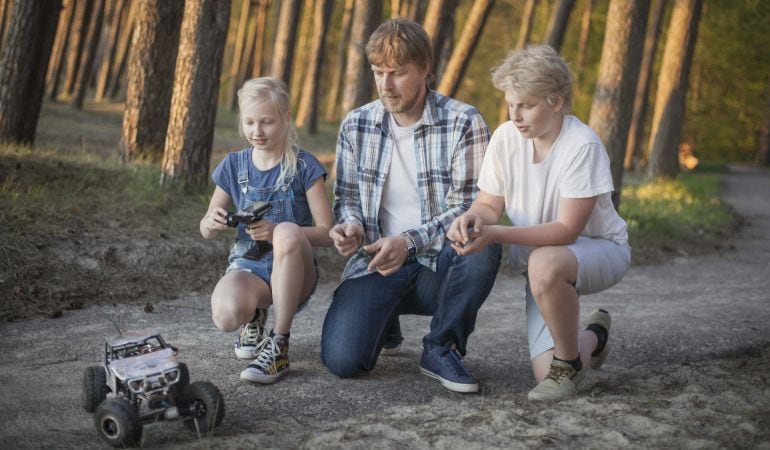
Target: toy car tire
{"x": 208, "y": 404}
{"x": 94, "y": 387}
{"x": 118, "y": 423}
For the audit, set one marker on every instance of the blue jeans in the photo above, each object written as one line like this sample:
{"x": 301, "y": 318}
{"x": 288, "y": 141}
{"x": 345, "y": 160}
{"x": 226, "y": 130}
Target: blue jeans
{"x": 364, "y": 309}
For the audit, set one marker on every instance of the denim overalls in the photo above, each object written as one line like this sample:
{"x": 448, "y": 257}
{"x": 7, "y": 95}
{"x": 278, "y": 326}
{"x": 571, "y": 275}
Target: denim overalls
{"x": 281, "y": 199}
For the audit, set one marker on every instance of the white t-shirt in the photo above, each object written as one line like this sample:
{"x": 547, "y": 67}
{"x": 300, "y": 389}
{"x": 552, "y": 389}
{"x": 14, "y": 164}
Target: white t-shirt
{"x": 576, "y": 167}
{"x": 400, "y": 204}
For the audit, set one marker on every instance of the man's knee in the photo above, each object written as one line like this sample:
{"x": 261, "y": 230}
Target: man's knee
{"x": 341, "y": 361}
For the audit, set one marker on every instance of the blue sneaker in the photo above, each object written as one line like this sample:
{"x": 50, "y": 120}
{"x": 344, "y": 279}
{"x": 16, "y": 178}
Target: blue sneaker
{"x": 446, "y": 365}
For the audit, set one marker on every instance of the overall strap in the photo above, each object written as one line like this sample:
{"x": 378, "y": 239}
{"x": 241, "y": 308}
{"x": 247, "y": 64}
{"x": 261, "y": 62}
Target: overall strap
{"x": 243, "y": 174}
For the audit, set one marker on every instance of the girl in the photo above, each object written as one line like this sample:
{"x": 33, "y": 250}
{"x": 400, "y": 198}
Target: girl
{"x": 276, "y": 171}
{"x": 551, "y": 173}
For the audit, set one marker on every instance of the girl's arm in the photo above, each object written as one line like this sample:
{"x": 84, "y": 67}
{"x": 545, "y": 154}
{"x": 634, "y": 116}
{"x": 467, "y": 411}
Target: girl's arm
{"x": 570, "y": 222}
{"x": 216, "y": 216}
{"x": 321, "y": 209}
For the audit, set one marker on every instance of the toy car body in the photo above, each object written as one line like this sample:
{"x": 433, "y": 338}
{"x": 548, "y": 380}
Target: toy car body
{"x": 141, "y": 382}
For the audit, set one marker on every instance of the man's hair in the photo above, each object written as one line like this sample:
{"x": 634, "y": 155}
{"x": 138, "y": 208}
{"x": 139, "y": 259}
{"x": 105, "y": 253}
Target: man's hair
{"x": 537, "y": 70}
{"x": 400, "y": 41}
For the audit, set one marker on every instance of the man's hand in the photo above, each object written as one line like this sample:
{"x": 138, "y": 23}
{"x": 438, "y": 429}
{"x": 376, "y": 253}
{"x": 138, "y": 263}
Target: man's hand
{"x": 347, "y": 237}
{"x": 388, "y": 254}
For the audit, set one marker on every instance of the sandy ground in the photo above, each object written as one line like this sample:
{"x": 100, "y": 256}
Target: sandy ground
{"x": 688, "y": 368}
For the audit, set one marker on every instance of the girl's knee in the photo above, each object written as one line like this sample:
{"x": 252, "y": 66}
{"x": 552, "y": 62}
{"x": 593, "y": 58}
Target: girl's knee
{"x": 287, "y": 237}
{"x": 225, "y": 315}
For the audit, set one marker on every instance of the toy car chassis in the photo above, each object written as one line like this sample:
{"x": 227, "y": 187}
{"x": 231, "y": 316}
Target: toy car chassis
{"x": 141, "y": 382}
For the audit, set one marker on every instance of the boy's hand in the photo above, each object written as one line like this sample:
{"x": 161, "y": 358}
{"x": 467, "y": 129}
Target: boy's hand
{"x": 464, "y": 229}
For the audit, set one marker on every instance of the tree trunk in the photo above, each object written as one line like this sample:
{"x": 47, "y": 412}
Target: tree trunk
{"x": 332, "y": 100}
{"x": 585, "y": 32}
{"x": 636, "y": 130}
{"x": 285, "y": 35}
{"x": 358, "y": 77}
{"x": 557, "y": 27}
{"x": 668, "y": 116}
{"x": 762, "y": 157}
{"x": 75, "y": 48}
{"x": 525, "y": 32}
{"x": 113, "y": 26}
{"x": 259, "y": 39}
{"x": 238, "y": 54}
{"x": 5, "y": 11}
{"x": 187, "y": 153}
{"x": 57, "y": 64}
{"x": 301, "y": 54}
{"x": 527, "y": 18}
{"x": 308, "y": 107}
{"x": 438, "y": 23}
{"x": 121, "y": 53}
{"x": 615, "y": 84}
{"x": 150, "y": 79}
{"x": 23, "y": 65}
{"x": 461, "y": 56}
{"x": 89, "y": 52}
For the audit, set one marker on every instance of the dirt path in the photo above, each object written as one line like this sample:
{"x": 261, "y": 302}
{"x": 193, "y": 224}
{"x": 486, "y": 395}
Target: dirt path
{"x": 688, "y": 368}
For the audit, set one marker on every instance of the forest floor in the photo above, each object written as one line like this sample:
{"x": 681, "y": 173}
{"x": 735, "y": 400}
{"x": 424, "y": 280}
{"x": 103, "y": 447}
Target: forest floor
{"x": 688, "y": 367}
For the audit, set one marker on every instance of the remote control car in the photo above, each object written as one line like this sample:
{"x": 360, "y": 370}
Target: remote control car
{"x": 141, "y": 382}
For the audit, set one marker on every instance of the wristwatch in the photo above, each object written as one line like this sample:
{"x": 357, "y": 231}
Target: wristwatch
{"x": 411, "y": 249}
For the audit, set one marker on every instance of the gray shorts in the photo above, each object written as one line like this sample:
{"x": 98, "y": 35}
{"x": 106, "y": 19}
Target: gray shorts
{"x": 601, "y": 264}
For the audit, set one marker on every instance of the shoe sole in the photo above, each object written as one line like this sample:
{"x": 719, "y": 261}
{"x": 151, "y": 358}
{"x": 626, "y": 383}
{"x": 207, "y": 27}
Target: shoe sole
{"x": 391, "y": 351}
{"x": 261, "y": 379}
{"x": 451, "y": 385}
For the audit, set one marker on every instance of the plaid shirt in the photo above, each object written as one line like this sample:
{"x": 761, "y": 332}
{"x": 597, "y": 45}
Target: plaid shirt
{"x": 449, "y": 148}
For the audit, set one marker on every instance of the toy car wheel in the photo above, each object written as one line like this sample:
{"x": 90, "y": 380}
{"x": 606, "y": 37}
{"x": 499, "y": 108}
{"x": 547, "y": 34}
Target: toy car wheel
{"x": 117, "y": 422}
{"x": 94, "y": 387}
{"x": 184, "y": 376}
{"x": 206, "y": 406}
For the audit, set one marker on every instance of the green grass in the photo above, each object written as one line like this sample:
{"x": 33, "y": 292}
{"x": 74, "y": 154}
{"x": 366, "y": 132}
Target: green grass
{"x": 666, "y": 213}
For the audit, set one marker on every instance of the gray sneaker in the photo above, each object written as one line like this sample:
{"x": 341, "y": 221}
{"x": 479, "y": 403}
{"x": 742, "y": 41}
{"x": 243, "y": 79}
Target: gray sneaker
{"x": 561, "y": 383}
{"x": 252, "y": 334}
{"x": 600, "y": 318}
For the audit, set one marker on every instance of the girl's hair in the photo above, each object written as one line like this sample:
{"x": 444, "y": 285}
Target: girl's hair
{"x": 273, "y": 90}
{"x": 536, "y": 70}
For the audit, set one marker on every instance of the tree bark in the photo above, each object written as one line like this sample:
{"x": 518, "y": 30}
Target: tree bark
{"x": 121, "y": 53}
{"x": 527, "y": 18}
{"x": 668, "y": 116}
{"x": 438, "y": 23}
{"x": 762, "y": 157}
{"x": 187, "y": 152}
{"x": 77, "y": 38}
{"x": 636, "y": 130}
{"x": 89, "y": 52}
{"x": 259, "y": 39}
{"x": 285, "y": 36}
{"x": 301, "y": 53}
{"x": 308, "y": 107}
{"x": 150, "y": 79}
{"x": 56, "y": 66}
{"x": 585, "y": 32}
{"x": 332, "y": 100}
{"x": 461, "y": 56}
{"x": 5, "y": 11}
{"x": 615, "y": 84}
{"x": 112, "y": 27}
{"x": 358, "y": 77}
{"x": 237, "y": 61}
{"x": 557, "y": 27}
{"x": 23, "y": 65}
{"x": 525, "y": 32}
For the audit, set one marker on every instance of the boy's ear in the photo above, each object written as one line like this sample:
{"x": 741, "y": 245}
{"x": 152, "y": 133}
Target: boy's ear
{"x": 558, "y": 105}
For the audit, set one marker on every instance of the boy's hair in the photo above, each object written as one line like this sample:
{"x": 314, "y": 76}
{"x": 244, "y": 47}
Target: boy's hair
{"x": 273, "y": 90}
{"x": 400, "y": 41}
{"x": 536, "y": 70}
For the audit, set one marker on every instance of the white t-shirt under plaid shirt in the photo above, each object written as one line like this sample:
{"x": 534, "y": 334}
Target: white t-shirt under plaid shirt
{"x": 449, "y": 147}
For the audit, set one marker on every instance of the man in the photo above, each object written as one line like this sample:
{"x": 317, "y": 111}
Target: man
{"x": 407, "y": 165}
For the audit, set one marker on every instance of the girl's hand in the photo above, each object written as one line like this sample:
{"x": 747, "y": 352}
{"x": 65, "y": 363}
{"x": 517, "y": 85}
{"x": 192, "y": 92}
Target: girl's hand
{"x": 215, "y": 219}
{"x": 261, "y": 230}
